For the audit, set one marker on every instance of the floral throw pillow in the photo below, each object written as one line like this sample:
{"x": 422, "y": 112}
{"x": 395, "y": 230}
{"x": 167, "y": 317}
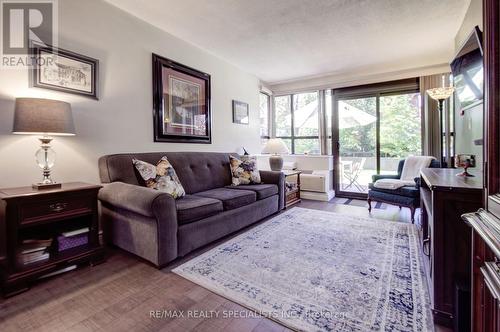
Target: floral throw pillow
{"x": 161, "y": 177}
{"x": 244, "y": 170}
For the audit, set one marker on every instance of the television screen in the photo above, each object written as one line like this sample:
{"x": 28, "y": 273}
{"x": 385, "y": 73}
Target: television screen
{"x": 467, "y": 69}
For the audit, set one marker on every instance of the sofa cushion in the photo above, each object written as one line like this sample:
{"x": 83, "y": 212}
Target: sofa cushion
{"x": 262, "y": 190}
{"x": 231, "y": 198}
{"x": 192, "y": 208}
{"x": 408, "y": 191}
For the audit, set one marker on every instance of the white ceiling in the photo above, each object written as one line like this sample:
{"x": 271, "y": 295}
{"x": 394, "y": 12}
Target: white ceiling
{"x": 280, "y": 40}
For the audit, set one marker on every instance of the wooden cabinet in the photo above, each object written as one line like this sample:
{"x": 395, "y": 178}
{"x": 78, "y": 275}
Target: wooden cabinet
{"x": 485, "y": 223}
{"x": 29, "y": 215}
{"x": 491, "y": 296}
{"x": 446, "y": 240}
{"x": 485, "y": 270}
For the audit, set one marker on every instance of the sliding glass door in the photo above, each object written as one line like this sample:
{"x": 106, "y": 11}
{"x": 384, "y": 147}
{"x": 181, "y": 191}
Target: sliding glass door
{"x": 357, "y": 157}
{"x": 372, "y": 134}
{"x": 400, "y": 127}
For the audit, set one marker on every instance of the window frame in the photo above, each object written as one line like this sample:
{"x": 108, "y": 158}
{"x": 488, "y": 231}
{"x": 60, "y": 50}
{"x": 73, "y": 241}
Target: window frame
{"x": 269, "y": 117}
{"x": 293, "y": 137}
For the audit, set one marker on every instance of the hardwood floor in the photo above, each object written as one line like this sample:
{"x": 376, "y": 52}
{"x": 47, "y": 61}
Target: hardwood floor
{"x": 122, "y": 293}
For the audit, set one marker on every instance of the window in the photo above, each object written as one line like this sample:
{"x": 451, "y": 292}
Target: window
{"x": 265, "y": 115}
{"x": 282, "y": 116}
{"x": 296, "y": 121}
{"x": 400, "y": 129}
{"x": 328, "y": 122}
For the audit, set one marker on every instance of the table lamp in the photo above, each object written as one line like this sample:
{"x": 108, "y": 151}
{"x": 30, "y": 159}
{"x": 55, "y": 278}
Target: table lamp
{"x": 275, "y": 146}
{"x": 440, "y": 95}
{"x": 46, "y": 118}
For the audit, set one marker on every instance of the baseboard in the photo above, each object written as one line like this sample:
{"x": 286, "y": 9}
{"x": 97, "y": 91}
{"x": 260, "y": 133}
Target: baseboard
{"x": 316, "y": 196}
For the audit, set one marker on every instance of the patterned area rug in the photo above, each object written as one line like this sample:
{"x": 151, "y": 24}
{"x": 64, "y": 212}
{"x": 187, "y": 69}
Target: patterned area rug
{"x": 312, "y": 270}
{"x": 358, "y": 202}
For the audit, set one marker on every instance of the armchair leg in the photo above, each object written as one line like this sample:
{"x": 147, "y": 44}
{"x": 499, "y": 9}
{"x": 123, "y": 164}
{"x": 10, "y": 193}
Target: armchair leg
{"x": 369, "y": 205}
{"x": 412, "y": 210}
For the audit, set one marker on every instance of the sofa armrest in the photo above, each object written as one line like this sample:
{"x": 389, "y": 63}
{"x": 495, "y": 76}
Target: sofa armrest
{"x": 150, "y": 205}
{"x": 277, "y": 178}
{"x": 384, "y": 176}
{"x": 141, "y": 200}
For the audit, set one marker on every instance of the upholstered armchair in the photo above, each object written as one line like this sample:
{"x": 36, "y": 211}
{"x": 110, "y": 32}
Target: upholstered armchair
{"x": 407, "y": 196}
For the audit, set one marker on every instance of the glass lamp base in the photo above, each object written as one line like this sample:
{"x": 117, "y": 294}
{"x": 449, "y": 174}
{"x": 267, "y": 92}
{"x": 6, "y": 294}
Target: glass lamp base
{"x": 45, "y": 158}
{"x": 465, "y": 174}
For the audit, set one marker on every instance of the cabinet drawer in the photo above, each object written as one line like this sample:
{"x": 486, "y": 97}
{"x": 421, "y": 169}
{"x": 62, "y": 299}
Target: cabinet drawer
{"x": 55, "y": 208}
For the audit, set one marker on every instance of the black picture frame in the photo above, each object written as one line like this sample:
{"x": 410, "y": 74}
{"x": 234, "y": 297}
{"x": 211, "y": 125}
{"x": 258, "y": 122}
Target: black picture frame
{"x": 39, "y": 78}
{"x": 162, "y": 104}
{"x": 238, "y": 116}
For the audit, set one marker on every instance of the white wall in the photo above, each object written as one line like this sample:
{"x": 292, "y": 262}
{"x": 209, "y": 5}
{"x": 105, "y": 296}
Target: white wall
{"x": 469, "y": 126}
{"x": 121, "y": 121}
{"x": 473, "y": 17}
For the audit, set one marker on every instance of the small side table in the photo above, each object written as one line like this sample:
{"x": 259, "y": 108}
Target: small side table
{"x": 292, "y": 187}
{"x": 30, "y": 214}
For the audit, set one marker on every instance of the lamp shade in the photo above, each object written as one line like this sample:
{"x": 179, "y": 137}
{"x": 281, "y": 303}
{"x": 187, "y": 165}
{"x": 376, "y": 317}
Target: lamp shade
{"x": 276, "y": 146}
{"x": 43, "y": 117}
{"x": 441, "y": 93}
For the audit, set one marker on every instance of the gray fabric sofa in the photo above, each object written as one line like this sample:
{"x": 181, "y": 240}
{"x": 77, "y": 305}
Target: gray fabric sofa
{"x": 153, "y": 225}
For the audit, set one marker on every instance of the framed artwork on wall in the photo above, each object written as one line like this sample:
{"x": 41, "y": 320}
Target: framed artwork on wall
{"x": 62, "y": 70}
{"x": 181, "y": 103}
{"x": 240, "y": 112}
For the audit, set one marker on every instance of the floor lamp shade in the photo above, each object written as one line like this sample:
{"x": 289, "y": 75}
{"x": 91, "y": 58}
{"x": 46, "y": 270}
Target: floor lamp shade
{"x": 43, "y": 117}
{"x": 441, "y": 93}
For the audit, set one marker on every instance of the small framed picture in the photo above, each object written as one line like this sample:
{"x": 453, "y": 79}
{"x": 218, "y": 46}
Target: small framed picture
{"x": 57, "y": 69}
{"x": 240, "y": 112}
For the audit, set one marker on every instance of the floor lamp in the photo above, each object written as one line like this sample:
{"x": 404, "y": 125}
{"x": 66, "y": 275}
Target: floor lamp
{"x": 440, "y": 95}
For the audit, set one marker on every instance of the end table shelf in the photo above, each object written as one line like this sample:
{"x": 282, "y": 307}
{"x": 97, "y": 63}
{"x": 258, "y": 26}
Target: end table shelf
{"x": 292, "y": 196}
{"x": 27, "y": 214}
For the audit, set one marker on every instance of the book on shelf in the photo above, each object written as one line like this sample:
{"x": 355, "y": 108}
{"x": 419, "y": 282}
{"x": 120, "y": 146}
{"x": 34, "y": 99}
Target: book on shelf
{"x": 76, "y": 232}
{"x": 36, "y": 243}
{"x": 34, "y": 257}
{"x": 34, "y": 250}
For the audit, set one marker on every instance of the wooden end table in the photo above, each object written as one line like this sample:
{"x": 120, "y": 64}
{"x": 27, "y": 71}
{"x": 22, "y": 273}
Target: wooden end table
{"x": 30, "y": 214}
{"x": 292, "y": 188}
